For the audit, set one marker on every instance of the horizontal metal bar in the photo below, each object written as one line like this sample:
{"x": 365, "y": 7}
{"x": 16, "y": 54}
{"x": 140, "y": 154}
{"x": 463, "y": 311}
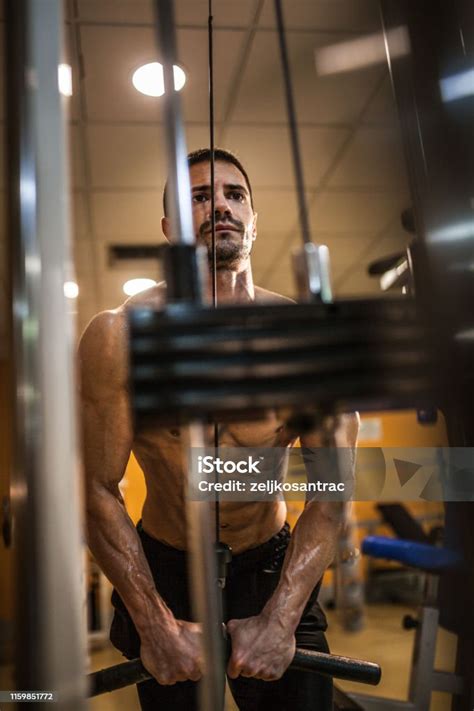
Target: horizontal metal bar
{"x": 133, "y": 672}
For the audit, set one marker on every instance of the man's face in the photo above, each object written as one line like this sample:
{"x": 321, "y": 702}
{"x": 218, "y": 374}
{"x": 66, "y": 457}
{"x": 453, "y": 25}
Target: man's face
{"x": 234, "y": 215}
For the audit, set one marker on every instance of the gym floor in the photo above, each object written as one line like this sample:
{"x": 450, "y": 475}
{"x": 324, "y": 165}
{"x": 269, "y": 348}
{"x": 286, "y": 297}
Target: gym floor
{"x": 382, "y": 640}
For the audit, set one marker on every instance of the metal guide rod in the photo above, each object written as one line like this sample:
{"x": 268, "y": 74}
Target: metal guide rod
{"x": 311, "y": 264}
{"x": 210, "y": 37}
{"x": 202, "y": 563}
{"x": 203, "y": 574}
{"x": 179, "y": 189}
{"x": 290, "y": 106}
{"x": 50, "y": 621}
{"x": 211, "y": 147}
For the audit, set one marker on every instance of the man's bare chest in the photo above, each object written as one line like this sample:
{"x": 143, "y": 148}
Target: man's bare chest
{"x": 268, "y": 432}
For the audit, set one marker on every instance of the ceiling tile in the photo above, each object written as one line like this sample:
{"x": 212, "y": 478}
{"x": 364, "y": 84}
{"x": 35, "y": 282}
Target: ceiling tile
{"x": 134, "y": 216}
{"x": 268, "y": 245}
{"x": 318, "y": 149}
{"x": 355, "y": 212}
{"x": 227, "y": 13}
{"x": 265, "y": 153}
{"x": 277, "y": 215}
{"x": 82, "y": 254}
{"x": 71, "y": 103}
{"x": 197, "y": 136}
{"x": 187, "y": 12}
{"x": 79, "y": 215}
{"x": 126, "y": 156}
{"x": 382, "y": 109}
{"x": 116, "y": 10}
{"x": 256, "y": 148}
{"x": 76, "y": 158}
{"x": 260, "y": 96}
{"x": 111, "y": 55}
{"x": 330, "y": 99}
{"x": 374, "y": 158}
{"x": 277, "y": 210}
{"x": 110, "y": 93}
{"x": 132, "y": 156}
{"x": 341, "y": 15}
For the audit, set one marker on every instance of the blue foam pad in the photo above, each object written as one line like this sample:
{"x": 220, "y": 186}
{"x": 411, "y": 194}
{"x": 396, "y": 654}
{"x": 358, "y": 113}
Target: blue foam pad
{"x": 416, "y": 555}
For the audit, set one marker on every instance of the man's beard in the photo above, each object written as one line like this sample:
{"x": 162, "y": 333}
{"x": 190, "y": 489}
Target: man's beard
{"x": 229, "y": 253}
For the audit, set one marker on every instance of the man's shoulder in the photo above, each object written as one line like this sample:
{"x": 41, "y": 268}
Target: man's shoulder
{"x": 266, "y": 296}
{"x": 112, "y": 323}
{"x": 103, "y": 353}
{"x": 103, "y": 328}
{"x": 154, "y": 297}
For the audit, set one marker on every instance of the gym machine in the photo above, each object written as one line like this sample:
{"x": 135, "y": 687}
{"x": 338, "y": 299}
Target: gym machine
{"x": 418, "y": 353}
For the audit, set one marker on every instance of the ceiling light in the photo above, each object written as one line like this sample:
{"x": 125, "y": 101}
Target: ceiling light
{"x": 457, "y": 86}
{"x": 134, "y": 286}
{"x": 71, "y": 290}
{"x": 149, "y": 79}
{"x": 362, "y": 52}
{"x": 65, "y": 79}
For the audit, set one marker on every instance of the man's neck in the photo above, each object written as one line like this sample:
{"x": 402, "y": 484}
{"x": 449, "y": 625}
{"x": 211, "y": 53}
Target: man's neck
{"x": 234, "y": 286}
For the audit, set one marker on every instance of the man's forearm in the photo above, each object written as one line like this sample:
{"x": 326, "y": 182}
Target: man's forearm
{"x": 116, "y": 546}
{"x": 311, "y": 550}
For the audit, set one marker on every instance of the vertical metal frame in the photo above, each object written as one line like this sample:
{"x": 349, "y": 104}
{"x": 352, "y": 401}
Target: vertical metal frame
{"x": 49, "y": 619}
{"x": 439, "y": 152}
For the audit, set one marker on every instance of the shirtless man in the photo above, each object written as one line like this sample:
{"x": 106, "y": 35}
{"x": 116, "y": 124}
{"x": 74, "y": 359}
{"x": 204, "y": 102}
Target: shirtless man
{"x": 272, "y": 586}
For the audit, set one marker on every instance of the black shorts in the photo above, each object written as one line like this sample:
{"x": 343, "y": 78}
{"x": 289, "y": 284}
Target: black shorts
{"x": 252, "y": 579}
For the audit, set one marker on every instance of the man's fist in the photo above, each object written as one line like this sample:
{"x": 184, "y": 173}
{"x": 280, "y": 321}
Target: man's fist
{"x": 173, "y": 654}
{"x": 260, "y": 648}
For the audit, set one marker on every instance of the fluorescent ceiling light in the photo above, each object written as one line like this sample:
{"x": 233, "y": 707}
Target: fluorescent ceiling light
{"x": 362, "y": 52}
{"x": 457, "y": 86}
{"x": 453, "y": 232}
{"x": 149, "y": 80}
{"x": 134, "y": 286}
{"x": 71, "y": 290}
{"x": 65, "y": 79}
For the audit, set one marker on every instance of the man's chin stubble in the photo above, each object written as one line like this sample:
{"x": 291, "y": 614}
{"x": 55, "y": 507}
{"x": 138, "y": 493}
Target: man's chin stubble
{"x": 229, "y": 257}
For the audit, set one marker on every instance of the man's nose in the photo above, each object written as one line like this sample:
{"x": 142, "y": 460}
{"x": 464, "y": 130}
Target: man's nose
{"x": 221, "y": 205}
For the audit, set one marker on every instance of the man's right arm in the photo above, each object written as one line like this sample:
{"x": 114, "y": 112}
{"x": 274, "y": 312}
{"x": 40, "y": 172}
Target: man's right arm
{"x": 169, "y": 647}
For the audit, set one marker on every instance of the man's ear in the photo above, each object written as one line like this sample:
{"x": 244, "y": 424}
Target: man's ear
{"x": 254, "y": 229}
{"x": 166, "y": 227}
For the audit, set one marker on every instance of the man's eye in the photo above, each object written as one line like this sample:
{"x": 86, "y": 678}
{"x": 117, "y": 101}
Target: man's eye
{"x": 199, "y": 197}
{"x": 234, "y": 195}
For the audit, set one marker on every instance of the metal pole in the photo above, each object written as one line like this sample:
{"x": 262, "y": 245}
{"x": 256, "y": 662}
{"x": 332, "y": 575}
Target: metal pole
{"x": 50, "y": 624}
{"x": 207, "y": 604}
{"x": 179, "y": 189}
{"x": 292, "y": 127}
{"x": 202, "y": 559}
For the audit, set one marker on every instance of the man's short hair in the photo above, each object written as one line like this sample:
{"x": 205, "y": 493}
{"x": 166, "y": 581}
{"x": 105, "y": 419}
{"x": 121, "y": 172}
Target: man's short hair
{"x": 203, "y": 155}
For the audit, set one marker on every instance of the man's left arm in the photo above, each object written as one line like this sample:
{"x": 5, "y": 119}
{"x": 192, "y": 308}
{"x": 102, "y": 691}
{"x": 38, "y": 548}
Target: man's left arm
{"x": 263, "y": 646}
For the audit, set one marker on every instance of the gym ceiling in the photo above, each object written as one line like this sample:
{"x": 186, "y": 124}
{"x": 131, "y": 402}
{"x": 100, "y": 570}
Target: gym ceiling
{"x": 353, "y": 160}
